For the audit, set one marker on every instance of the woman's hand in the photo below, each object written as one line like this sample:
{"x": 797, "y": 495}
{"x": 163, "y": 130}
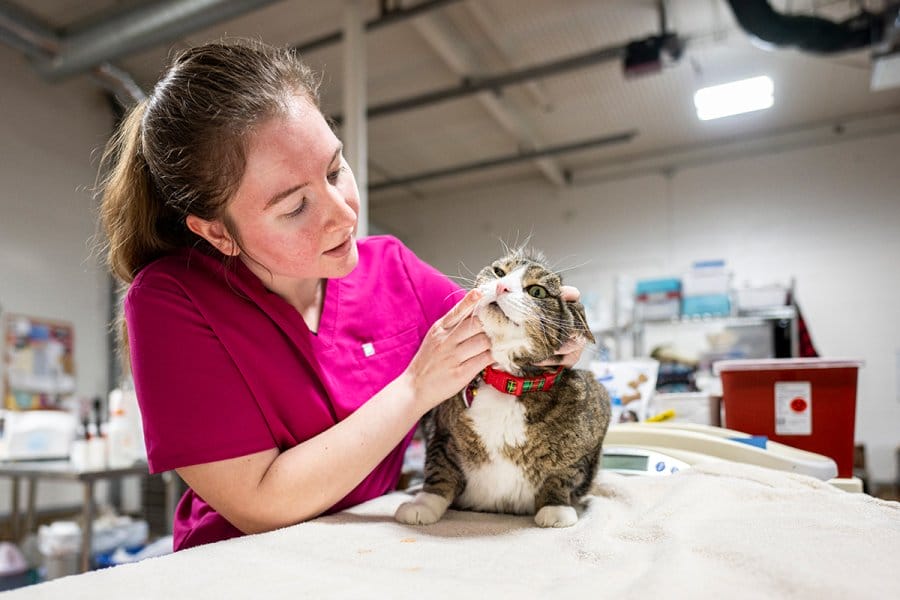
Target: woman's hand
{"x": 570, "y": 352}
{"x": 453, "y": 352}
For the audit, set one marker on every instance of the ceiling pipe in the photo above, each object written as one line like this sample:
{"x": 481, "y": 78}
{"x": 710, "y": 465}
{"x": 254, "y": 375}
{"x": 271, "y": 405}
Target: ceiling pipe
{"x": 24, "y": 32}
{"x": 813, "y": 34}
{"x": 136, "y": 29}
{"x": 500, "y": 161}
{"x": 387, "y": 18}
{"x": 474, "y": 85}
{"x": 38, "y": 41}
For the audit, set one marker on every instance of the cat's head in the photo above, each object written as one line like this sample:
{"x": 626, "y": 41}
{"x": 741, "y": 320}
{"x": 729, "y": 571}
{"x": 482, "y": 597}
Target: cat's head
{"x": 522, "y": 311}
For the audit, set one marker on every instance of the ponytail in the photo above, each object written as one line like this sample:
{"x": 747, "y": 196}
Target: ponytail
{"x": 133, "y": 215}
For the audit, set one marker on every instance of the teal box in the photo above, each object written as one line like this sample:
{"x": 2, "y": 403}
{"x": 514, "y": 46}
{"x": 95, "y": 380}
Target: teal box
{"x": 657, "y": 286}
{"x": 713, "y": 305}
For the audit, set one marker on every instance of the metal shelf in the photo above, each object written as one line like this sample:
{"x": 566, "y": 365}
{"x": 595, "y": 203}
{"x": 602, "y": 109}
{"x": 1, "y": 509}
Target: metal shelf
{"x": 748, "y": 318}
{"x": 742, "y": 319}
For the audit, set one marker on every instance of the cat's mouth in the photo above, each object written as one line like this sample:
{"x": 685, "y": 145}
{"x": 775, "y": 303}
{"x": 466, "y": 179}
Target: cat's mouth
{"x": 495, "y": 309}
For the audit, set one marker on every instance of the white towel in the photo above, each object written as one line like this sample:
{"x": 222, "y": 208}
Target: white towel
{"x": 720, "y": 530}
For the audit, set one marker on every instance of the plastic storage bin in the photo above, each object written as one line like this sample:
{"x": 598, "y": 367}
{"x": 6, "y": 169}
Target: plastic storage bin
{"x": 807, "y": 403}
{"x": 657, "y": 299}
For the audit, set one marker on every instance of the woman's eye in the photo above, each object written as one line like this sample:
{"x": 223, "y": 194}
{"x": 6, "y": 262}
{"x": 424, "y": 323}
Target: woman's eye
{"x": 536, "y": 291}
{"x": 333, "y": 176}
{"x": 296, "y": 211}
{"x": 499, "y": 272}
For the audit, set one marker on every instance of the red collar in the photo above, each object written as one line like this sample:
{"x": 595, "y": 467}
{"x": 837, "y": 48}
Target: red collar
{"x": 510, "y": 384}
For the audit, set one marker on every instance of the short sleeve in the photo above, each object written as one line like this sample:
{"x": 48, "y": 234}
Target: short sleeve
{"x": 437, "y": 293}
{"x": 195, "y": 405}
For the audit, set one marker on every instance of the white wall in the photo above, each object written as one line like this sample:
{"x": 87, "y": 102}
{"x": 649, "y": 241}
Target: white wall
{"x": 828, "y": 215}
{"x": 47, "y": 136}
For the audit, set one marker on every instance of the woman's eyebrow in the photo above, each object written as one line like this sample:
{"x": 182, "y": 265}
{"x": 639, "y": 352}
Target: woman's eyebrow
{"x": 285, "y": 193}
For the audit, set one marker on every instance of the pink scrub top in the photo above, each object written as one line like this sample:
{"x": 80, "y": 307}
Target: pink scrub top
{"x": 224, "y": 368}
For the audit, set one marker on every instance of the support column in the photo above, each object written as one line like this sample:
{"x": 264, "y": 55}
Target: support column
{"x": 355, "y": 127}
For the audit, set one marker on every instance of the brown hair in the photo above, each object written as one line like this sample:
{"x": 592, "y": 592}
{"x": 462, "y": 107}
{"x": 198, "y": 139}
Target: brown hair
{"x": 182, "y": 151}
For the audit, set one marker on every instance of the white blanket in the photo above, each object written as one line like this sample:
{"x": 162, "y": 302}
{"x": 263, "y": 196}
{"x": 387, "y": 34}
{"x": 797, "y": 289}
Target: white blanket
{"x": 721, "y": 530}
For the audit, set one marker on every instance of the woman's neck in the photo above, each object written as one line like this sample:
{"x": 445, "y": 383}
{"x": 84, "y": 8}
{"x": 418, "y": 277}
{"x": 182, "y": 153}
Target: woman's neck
{"x": 306, "y": 295}
{"x": 308, "y": 298}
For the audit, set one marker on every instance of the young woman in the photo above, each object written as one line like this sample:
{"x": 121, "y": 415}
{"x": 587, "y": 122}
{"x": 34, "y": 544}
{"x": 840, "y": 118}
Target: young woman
{"x": 280, "y": 364}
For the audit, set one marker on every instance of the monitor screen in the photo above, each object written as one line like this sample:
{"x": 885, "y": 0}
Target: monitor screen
{"x": 625, "y": 461}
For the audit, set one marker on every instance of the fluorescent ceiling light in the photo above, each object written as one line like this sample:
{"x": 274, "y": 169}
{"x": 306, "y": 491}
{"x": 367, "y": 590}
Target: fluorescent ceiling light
{"x": 885, "y": 72}
{"x": 746, "y": 95}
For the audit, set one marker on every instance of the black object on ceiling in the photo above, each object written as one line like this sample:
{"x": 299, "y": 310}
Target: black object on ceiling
{"x": 813, "y": 34}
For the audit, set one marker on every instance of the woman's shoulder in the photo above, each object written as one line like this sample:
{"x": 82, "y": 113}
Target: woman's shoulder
{"x": 180, "y": 271}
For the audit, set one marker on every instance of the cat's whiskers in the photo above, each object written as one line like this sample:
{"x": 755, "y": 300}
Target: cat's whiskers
{"x": 461, "y": 291}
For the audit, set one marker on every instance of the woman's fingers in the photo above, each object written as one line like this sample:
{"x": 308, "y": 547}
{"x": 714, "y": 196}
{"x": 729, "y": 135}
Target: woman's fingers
{"x": 567, "y": 355}
{"x": 464, "y": 308}
{"x": 473, "y": 346}
{"x": 569, "y": 293}
{"x": 473, "y": 366}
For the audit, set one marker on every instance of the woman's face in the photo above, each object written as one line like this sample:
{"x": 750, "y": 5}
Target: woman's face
{"x": 297, "y": 204}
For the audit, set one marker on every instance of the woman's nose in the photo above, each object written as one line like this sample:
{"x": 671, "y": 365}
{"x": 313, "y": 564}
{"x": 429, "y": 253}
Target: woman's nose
{"x": 342, "y": 211}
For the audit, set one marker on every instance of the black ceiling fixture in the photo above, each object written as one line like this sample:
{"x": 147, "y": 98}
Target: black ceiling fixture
{"x": 651, "y": 54}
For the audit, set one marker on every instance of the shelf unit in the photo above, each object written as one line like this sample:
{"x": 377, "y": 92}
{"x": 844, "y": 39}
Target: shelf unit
{"x": 748, "y": 319}
{"x": 785, "y": 315}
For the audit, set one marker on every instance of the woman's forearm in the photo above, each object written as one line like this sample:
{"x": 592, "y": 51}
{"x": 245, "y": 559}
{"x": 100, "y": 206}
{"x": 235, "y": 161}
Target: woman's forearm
{"x": 306, "y": 480}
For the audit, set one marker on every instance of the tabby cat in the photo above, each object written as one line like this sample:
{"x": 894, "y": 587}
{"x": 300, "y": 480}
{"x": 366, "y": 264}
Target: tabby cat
{"x": 519, "y": 439}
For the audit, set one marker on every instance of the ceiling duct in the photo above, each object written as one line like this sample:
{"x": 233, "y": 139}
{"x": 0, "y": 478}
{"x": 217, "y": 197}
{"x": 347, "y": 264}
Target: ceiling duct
{"x": 886, "y": 56}
{"x": 813, "y": 34}
{"x": 136, "y": 29}
{"x": 38, "y": 41}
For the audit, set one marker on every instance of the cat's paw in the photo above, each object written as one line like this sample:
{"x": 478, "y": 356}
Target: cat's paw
{"x": 424, "y": 509}
{"x": 556, "y": 516}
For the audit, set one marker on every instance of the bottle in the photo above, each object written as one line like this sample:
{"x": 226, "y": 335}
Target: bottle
{"x": 96, "y": 444}
{"x": 119, "y": 434}
{"x": 79, "y": 455}
{"x": 96, "y": 440}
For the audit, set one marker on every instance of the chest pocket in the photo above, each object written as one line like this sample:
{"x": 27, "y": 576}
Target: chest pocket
{"x": 382, "y": 360}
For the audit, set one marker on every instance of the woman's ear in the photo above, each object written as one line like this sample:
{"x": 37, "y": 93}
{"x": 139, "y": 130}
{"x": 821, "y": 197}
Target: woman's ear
{"x": 215, "y": 233}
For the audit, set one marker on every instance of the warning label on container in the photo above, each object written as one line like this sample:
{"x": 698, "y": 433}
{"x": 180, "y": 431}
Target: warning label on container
{"x": 793, "y": 408}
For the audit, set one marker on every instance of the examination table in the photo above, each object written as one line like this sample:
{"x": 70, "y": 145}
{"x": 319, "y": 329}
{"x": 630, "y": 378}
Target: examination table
{"x": 719, "y": 530}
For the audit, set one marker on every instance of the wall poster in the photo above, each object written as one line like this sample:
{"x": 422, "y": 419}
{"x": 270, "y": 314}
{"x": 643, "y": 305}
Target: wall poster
{"x": 39, "y": 361}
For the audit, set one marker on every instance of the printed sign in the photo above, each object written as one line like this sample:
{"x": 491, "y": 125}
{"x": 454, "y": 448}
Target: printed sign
{"x": 793, "y": 408}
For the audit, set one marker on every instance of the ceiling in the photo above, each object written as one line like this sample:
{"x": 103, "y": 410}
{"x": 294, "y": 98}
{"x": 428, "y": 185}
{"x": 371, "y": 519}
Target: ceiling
{"x": 485, "y": 38}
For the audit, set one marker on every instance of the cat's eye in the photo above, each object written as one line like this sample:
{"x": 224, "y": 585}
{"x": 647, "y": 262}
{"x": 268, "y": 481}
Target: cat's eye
{"x": 536, "y": 291}
{"x": 499, "y": 272}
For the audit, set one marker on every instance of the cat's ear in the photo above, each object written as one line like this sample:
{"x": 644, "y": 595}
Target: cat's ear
{"x": 580, "y": 323}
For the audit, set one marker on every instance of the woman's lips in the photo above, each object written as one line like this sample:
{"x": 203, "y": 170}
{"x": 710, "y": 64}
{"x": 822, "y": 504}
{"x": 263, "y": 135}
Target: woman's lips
{"x": 342, "y": 250}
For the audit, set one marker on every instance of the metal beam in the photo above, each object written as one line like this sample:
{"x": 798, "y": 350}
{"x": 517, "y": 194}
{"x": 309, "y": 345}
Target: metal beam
{"x": 499, "y": 161}
{"x": 354, "y": 97}
{"x": 488, "y": 25}
{"x": 388, "y": 18}
{"x": 470, "y": 86}
{"x": 437, "y": 33}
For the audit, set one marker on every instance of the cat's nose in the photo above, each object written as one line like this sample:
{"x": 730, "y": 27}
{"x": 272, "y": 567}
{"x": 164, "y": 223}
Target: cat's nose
{"x": 501, "y": 288}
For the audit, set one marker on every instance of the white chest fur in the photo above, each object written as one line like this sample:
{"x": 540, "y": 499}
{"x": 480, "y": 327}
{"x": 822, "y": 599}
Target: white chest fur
{"x": 500, "y": 485}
